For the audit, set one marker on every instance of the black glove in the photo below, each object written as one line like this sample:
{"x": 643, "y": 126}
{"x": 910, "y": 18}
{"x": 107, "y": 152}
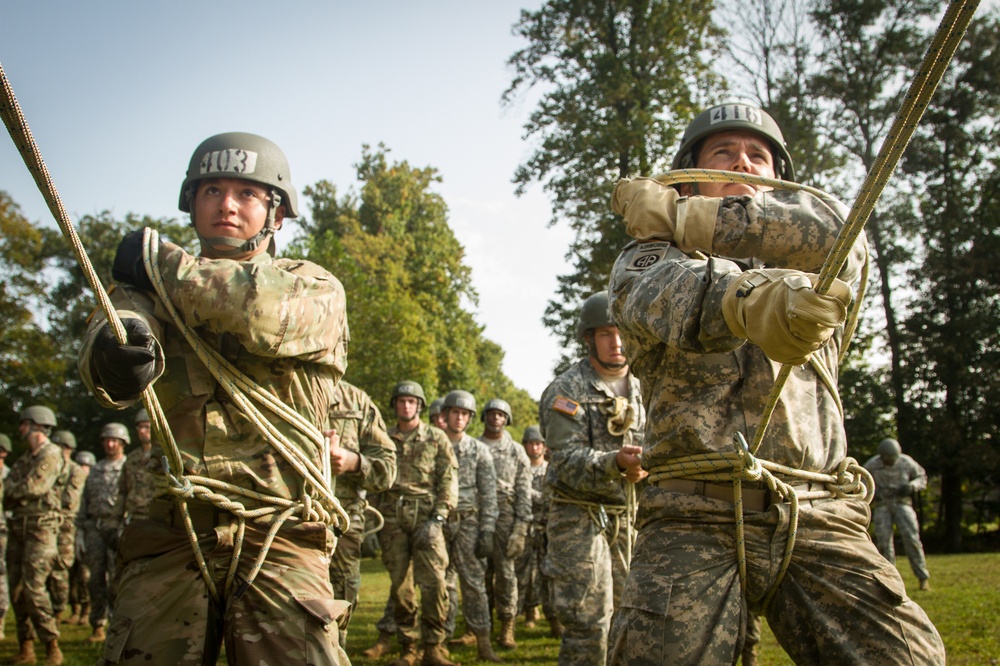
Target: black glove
{"x": 484, "y": 545}
{"x": 428, "y": 533}
{"x": 128, "y": 267}
{"x": 125, "y": 370}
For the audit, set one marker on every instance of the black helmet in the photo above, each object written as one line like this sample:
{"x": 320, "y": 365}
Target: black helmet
{"x": 499, "y": 405}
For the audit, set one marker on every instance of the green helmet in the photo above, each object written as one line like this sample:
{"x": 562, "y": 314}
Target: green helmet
{"x": 461, "y": 400}
{"x": 732, "y": 116}
{"x": 436, "y": 407}
{"x": 116, "y": 430}
{"x": 499, "y": 405}
{"x": 85, "y": 458}
{"x": 409, "y": 388}
{"x": 889, "y": 448}
{"x": 39, "y": 415}
{"x": 596, "y": 312}
{"x": 532, "y": 434}
{"x": 64, "y": 438}
{"x": 141, "y": 416}
{"x": 5, "y": 443}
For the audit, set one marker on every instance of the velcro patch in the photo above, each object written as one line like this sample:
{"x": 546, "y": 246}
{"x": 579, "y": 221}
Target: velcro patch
{"x": 230, "y": 160}
{"x": 647, "y": 255}
{"x": 566, "y": 406}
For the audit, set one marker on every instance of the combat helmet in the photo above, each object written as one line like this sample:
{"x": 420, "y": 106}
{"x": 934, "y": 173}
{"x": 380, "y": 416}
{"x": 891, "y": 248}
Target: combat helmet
{"x": 435, "y": 407}
{"x": 532, "y": 434}
{"x": 462, "y": 400}
{"x": 735, "y": 116}
{"x": 596, "y": 312}
{"x": 39, "y": 415}
{"x": 499, "y": 405}
{"x": 85, "y": 458}
{"x": 64, "y": 438}
{"x": 409, "y": 388}
{"x": 141, "y": 416}
{"x": 889, "y": 448}
{"x": 5, "y": 444}
{"x": 116, "y": 430}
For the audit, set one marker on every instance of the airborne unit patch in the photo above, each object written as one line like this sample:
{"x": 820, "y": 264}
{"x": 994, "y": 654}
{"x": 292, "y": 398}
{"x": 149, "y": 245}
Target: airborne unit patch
{"x": 647, "y": 255}
{"x": 566, "y": 406}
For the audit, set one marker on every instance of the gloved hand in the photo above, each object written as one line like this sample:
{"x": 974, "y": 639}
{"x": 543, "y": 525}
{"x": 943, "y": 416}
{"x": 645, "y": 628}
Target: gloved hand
{"x": 777, "y": 310}
{"x": 484, "y": 545}
{"x": 655, "y": 211}
{"x": 125, "y": 370}
{"x": 905, "y": 490}
{"x": 129, "y": 267}
{"x": 518, "y": 539}
{"x": 428, "y": 533}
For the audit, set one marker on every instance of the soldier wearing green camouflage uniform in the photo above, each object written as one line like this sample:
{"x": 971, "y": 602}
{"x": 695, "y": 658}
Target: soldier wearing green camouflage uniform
{"x": 282, "y": 324}
{"x": 897, "y": 477}
{"x": 32, "y": 493}
{"x": 416, "y": 508}
{"x": 592, "y": 419}
{"x": 709, "y": 300}
{"x": 5, "y": 450}
{"x": 532, "y": 587}
{"x": 372, "y": 460}
{"x": 514, "y": 521}
{"x": 137, "y": 482}
{"x": 72, "y": 492}
{"x": 471, "y": 526}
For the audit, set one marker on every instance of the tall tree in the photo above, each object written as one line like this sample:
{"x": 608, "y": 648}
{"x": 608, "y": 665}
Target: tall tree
{"x": 616, "y": 79}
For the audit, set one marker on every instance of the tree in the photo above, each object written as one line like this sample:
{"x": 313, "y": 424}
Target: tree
{"x": 616, "y": 79}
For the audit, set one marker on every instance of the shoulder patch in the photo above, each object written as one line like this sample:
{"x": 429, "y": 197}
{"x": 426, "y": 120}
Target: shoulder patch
{"x": 565, "y": 406}
{"x": 646, "y": 255}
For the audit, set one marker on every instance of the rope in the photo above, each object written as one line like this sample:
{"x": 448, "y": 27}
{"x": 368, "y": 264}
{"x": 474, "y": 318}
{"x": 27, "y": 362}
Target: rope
{"x": 379, "y": 522}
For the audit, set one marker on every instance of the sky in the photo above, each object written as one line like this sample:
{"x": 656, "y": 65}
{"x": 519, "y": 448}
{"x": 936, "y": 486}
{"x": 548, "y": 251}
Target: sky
{"x": 118, "y": 94}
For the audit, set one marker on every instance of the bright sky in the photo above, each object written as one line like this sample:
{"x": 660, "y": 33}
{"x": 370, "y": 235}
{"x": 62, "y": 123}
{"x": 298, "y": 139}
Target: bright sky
{"x": 118, "y": 93}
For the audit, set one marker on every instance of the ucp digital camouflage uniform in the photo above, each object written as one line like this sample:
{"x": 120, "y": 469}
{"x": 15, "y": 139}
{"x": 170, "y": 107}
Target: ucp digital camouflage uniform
{"x": 532, "y": 587}
{"x": 586, "y": 531}
{"x": 282, "y": 323}
{"x": 476, "y": 512}
{"x": 359, "y": 424}
{"x": 72, "y": 492}
{"x": 137, "y": 485}
{"x": 839, "y": 602}
{"x": 101, "y": 522}
{"x": 4, "y": 589}
{"x": 514, "y": 502}
{"x": 894, "y": 488}
{"x": 426, "y": 484}
{"x": 33, "y": 494}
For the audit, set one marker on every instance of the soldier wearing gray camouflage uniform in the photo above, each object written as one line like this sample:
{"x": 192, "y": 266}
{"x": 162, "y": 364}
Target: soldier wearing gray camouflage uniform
{"x": 532, "y": 587}
{"x": 471, "y": 526}
{"x": 514, "y": 521}
{"x": 5, "y": 450}
{"x": 33, "y": 495}
{"x": 100, "y": 518}
{"x": 72, "y": 491}
{"x": 365, "y": 462}
{"x": 897, "y": 477}
{"x": 137, "y": 480}
{"x": 715, "y": 293}
{"x": 79, "y": 573}
{"x": 592, "y": 419}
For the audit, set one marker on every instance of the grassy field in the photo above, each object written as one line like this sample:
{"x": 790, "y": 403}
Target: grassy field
{"x": 964, "y": 604}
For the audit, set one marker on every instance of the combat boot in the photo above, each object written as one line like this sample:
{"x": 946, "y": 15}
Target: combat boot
{"x": 53, "y": 655}
{"x": 507, "y": 633}
{"x": 925, "y": 584}
{"x": 380, "y": 648}
{"x": 468, "y": 638}
{"x": 98, "y": 635}
{"x": 409, "y": 655}
{"x": 486, "y": 652}
{"x": 435, "y": 655}
{"x": 555, "y": 628}
{"x": 531, "y": 617}
{"x": 26, "y": 655}
{"x": 84, "y": 615}
{"x": 75, "y": 617}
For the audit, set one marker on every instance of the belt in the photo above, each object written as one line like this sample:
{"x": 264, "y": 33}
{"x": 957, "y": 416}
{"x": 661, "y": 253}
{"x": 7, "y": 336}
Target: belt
{"x": 205, "y": 517}
{"x": 754, "y": 499}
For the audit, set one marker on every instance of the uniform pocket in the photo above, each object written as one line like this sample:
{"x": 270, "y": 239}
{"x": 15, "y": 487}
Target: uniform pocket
{"x": 891, "y": 585}
{"x": 637, "y": 633}
{"x": 117, "y": 637}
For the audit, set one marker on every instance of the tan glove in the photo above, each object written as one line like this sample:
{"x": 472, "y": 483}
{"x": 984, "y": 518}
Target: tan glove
{"x": 654, "y": 211}
{"x": 778, "y": 310}
{"x": 517, "y": 541}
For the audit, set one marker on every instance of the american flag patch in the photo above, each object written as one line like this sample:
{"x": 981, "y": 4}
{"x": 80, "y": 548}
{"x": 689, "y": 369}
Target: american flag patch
{"x": 565, "y": 405}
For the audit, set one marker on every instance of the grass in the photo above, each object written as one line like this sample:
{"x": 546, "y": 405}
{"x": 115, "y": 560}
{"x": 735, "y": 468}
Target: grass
{"x": 964, "y": 604}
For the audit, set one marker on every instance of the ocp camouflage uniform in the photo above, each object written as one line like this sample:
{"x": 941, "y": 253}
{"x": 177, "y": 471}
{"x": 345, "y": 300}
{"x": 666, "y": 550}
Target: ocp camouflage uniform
{"x": 426, "y": 484}
{"x": 840, "y": 601}
{"x": 101, "y": 522}
{"x": 894, "y": 488}
{"x": 137, "y": 485}
{"x": 514, "y": 503}
{"x": 476, "y": 512}
{"x": 359, "y": 423}
{"x": 586, "y": 529}
{"x": 282, "y": 323}
{"x": 532, "y": 587}
{"x": 32, "y": 493}
{"x": 72, "y": 492}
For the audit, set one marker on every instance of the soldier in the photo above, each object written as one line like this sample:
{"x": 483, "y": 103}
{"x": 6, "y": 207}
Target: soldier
{"x": 137, "y": 482}
{"x": 514, "y": 521}
{"x": 100, "y": 519}
{"x": 897, "y": 477}
{"x": 717, "y": 291}
{"x": 364, "y": 461}
{"x": 592, "y": 419}
{"x": 5, "y": 450}
{"x": 435, "y": 415}
{"x": 471, "y": 526}
{"x": 423, "y": 496}
{"x": 32, "y": 493}
{"x": 532, "y": 587}
{"x": 79, "y": 573}
{"x": 72, "y": 491}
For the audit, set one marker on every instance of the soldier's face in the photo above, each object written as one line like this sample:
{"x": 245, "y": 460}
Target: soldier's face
{"x": 112, "y": 446}
{"x": 142, "y": 431}
{"x": 607, "y": 347}
{"x": 457, "y": 420}
{"x": 495, "y": 420}
{"x": 407, "y": 407}
{"x": 534, "y": 449}
{"x": 233, "y": 208}
{"x": 736, "y": 150}
{"x": 438, "y": 420}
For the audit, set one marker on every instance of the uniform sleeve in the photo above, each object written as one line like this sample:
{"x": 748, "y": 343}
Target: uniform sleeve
{"x": 486, "y": 483}
{"x": 446, "y": 469}
{"x": 40, "y": 478}
{"x": 918, "y": 477}
{"x": 378, "y": 452}
{"x": 522, "y": 488}
{"x": 575, "y": 464}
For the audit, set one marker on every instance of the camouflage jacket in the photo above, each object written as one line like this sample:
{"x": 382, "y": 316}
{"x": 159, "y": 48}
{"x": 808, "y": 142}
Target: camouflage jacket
{"x": 477, "y": 481}
{"x": 359, "y": 423}
{"x": 539, "y": 494}
{"x": 572, "y": 417}
{"x": 427, "y": 469}
{"x": 72, "y": 489}
{"x": 897, "y": 482}
{"x": 100, "y": 494}
{"x": 34, "y": 486}
{"x": 513, "y": 476}
{"x": 136, "y": 485}
{"x": 701, "y": 384}
{"x": 281, "y": 322}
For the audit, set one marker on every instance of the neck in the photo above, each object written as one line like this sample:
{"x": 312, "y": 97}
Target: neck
{"x": 408, "y": 426}
{"x": 603, "y": 371}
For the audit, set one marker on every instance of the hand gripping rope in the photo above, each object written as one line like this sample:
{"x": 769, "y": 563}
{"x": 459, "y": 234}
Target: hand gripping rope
{"x": 317, "y": 502}
{"x": 851, "y": 479}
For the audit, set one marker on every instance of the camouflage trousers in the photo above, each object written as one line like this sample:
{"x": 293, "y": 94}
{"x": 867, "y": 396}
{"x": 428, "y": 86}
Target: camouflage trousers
{"x": 345, "y": 569}
{"x": 4, "y": 589}
{"x": 58, "y": 583}
{"x": 501, "y": 574}
{"x": 31, "y": 554}
{"x": 884, "y": 514}
{"x": 587, "y": 575}
{"x": 288, "y": 615}
{"x": 840, "y": 602}
{"x": 533, "y": 587}
{"x": 99, "y": 540}
{"x": 79, "y": 583}
{"x": 468, "y": 570}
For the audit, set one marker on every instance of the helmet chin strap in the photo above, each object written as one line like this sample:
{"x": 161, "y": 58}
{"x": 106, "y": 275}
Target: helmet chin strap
{"x": 235, "y": 247}
{"x": 592, "y": 349}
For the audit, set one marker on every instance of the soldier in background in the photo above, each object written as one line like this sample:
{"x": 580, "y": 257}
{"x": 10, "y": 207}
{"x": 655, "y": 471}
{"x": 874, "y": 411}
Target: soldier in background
{"x": 79, "y": 573}
{"x": 514, "y": 520}
{"x": 897, "y": 477}
{"x": 72, "y": 490}
{"x": 5, "y": 450}
{"x": 136, "y": 484}
{"x": 32, "y": 493}
{"x": 532, "y": 587}
{"x": 434, "y": 413}
{"x": 100, "y": 518}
